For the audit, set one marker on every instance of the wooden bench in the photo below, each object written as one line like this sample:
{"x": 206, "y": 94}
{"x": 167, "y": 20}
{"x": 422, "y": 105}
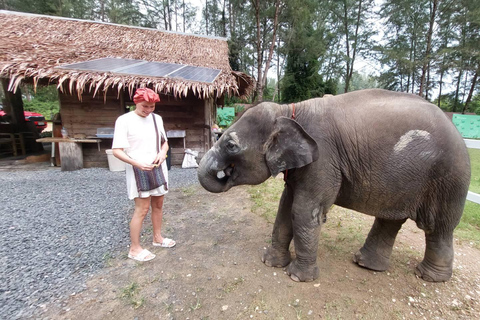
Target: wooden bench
{"x": 71, "y": 154}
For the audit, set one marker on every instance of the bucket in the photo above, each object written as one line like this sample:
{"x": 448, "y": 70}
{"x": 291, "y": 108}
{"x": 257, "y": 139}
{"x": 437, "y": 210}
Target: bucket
{"x": 114, "y": 163}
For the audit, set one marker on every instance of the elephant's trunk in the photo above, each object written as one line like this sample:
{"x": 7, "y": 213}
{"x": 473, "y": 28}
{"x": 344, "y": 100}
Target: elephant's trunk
{"x": 210, "y": 174}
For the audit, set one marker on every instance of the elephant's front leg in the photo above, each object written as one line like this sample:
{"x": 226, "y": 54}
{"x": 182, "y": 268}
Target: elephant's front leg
{"x": 307, "y": 217}
{"x": 278, "y": 254}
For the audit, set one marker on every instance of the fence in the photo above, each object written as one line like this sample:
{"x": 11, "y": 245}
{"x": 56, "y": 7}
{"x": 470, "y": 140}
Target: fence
{"x": 473, "y": 144}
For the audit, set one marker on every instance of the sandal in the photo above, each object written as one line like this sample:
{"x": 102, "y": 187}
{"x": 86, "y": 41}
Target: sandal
{"x": 166, "y": 243}
{"x": 142, "y": 256}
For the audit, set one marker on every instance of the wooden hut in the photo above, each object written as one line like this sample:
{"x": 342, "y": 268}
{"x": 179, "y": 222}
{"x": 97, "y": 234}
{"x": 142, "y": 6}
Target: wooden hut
{"x": 45, "y": 50}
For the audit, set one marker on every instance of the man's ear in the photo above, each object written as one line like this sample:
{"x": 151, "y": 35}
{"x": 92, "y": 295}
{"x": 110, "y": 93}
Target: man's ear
{"x": 289, "y": 146}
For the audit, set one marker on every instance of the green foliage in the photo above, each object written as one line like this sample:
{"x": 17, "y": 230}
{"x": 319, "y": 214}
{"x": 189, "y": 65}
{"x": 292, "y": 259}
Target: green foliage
{"x": 359, "y": 81}
{"x": 266, "y": 197}
{"x": 318, "y": 42}
{"x": 225, "y": 116}
{"x": 475, "y": 165}
{"x": 306, "y": 43}
{"x": 446, "y": 102}
{"x": 44, "y": 100}
{"x": 469, "y": 227}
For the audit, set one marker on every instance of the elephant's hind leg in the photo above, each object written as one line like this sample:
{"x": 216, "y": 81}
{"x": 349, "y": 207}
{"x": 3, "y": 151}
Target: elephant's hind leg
{"x": 438, "y": 260}
{"x": 278, "y": 254}
{"x": 375, "y": 253}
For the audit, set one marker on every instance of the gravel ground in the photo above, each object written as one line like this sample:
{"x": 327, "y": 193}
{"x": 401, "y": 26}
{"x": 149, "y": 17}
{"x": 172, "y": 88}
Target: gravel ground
{"x": 57, "y": 229}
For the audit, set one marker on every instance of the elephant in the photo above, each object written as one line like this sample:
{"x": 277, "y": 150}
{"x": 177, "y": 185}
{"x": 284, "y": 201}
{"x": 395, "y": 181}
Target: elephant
{"x": 391, "y": 155}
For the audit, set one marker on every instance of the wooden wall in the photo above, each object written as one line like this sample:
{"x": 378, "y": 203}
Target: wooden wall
{"x": 191, "y": 114}
{"x": 186, "y": 114}
{"x": 84, "y": 117}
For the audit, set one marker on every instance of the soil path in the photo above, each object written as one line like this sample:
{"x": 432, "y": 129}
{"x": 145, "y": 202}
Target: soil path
{"x": 215, "y": 272}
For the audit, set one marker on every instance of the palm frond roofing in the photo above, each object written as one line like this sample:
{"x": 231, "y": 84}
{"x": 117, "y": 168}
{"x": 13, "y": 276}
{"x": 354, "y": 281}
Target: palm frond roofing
{"x": 33, "y": 45}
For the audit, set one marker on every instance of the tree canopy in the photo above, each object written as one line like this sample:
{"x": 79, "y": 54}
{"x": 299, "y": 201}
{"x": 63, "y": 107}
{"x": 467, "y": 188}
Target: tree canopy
{"x": 310, "y": 47}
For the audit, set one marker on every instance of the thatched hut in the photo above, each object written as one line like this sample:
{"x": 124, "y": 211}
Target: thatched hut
{"x": 44, "y": 50}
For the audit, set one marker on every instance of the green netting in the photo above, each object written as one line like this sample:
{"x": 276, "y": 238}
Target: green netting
{"x": 225, "y": 116}
{"x": 469, "y": 126}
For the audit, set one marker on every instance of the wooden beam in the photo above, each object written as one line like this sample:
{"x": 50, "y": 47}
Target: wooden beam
{"x": 14, "y": 107}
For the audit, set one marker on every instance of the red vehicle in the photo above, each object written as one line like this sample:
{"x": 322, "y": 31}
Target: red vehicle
{"x": 36, "y": 118}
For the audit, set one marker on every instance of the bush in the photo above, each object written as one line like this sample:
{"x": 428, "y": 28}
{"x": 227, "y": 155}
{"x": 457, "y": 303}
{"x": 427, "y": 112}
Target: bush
{"x": 44, "y": 100}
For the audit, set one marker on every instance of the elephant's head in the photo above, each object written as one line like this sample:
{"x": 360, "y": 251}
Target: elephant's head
{"x": 260, "y": 144}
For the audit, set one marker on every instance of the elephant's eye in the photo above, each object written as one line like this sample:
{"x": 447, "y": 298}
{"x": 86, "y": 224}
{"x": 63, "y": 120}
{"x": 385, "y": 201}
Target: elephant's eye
{"x": 232, "y": 146}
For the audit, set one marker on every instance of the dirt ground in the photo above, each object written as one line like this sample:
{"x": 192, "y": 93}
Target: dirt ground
{"x": 215, "y": 272}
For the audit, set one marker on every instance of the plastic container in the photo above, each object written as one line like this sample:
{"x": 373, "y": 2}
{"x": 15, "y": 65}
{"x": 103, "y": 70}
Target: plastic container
{"x": 105, "y": 132}
{"x": 64, "y": 133}
{"x": 114, "y": 164}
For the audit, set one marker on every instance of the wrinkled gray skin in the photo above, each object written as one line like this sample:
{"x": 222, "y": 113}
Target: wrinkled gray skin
{"x": 390, "y": 155}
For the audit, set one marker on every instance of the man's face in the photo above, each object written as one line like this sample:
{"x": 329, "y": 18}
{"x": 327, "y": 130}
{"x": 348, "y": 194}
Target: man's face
{"x": 144, "y": 108}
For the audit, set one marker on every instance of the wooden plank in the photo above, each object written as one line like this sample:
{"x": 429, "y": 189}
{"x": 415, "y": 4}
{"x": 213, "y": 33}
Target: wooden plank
{"x": 71, "y": 156}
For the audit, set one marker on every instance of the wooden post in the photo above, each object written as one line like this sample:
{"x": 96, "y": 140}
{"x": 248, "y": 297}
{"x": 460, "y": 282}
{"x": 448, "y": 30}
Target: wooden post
{"x": 71, "y": 156}
{"x": 14, "y": 106}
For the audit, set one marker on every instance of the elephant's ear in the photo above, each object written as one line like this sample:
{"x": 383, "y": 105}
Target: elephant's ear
{"x": 289, "y": 146}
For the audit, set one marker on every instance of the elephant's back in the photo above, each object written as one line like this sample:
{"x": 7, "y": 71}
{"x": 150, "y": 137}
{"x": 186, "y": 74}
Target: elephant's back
{"x": 401, "y": 147}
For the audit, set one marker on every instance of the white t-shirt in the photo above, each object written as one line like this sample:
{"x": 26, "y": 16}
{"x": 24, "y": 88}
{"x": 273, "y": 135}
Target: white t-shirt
{"x": 137, "y": 137}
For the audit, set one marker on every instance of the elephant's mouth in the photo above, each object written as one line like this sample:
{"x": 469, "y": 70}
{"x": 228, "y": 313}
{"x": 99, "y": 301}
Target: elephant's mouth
{"x": 226, "y": 174}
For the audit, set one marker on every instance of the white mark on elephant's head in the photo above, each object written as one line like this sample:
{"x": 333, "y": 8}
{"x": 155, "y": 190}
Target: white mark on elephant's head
{"x": 234, "y": 137}
{"x": 409, "y": 137}
{"x": 315, "y": 214}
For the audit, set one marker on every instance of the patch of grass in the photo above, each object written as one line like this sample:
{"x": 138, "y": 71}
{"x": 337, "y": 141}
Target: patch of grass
{"x": 298, "y": 311}
{"x": 196, "y": 306}
{"x": 189, "y": 191}
{"x": 130, "y": 293}
{"x": 266, "y": 197}
{"x": 475, "y": 165}
{"x": 232, "y": 286}
{"x": 469, "y": 226}
{"x": 168, "y": 307}
{"x": 130, "y": 290}
{"x": 107, "y": 259}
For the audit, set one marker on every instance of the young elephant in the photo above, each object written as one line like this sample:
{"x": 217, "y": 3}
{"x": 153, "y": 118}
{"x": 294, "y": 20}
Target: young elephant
{"x": 390, "y": 155}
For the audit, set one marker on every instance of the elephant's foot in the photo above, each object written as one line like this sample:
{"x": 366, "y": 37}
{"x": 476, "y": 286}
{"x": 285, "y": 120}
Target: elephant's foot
{"x": 371, "y": 260}
{"x": 431, "y": 273}
{"x": 300, "y": 273}
{"x": 276, "y": 258}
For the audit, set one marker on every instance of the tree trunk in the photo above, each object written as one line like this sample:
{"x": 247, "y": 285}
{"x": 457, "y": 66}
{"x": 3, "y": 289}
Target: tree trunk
{"x": 455, "y": 101}
{"x": 440, "y": 89}
{"x": 470, "y": 93}
{"x": 224, "y": 20}
{"x": 427, "y": 82}
{"x": 102, "y": 10}
{"x": 206, "y": 16}
{"x": 429, "y": 47}
{"x": 272, "y": 46}
{"x": 259, "y": 89}
{"x": 183, "y": 15}
{"x": 347, "y": 43}
{"x": 354, "y": 48}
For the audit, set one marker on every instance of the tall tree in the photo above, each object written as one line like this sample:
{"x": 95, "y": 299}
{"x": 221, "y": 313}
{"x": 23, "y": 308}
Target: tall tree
{"x": 406, "y": 22}
{"x": 266, "y": 35}
{"x": 427, "y": 57}
{"x": 356, "y": 30}
{"x": 305, "y": 43}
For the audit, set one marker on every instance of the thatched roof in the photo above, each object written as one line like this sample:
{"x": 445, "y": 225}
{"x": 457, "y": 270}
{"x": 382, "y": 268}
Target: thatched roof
{"x": 33, "y": 45}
